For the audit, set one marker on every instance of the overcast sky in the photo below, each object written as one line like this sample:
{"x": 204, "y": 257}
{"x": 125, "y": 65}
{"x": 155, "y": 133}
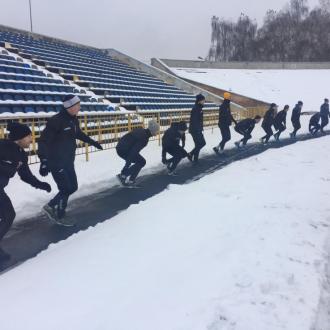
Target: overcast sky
{"x": 141, "y": 28}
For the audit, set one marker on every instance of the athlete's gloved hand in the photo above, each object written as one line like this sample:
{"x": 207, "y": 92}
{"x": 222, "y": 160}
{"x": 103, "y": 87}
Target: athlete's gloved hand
{"x": 44, "y": 170}
{"x": 45, "y": 186}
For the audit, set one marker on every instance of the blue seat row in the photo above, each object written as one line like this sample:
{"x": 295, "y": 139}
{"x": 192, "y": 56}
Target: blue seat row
{"x": 36, "y": 87}
{"x": 48, "y": 108}
{"x": 22, "y": 77}
{"x": 15, "y": 63}
{"x": 11, "y": 69}
{"x": 39, "y": 97}
{"x": 7, "y": 57}
{"x": 157, "y": 100}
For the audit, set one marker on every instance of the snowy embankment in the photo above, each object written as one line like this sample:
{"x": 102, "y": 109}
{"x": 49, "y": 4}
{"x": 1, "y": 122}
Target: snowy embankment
{"x": 99, "y": 173}
{"x": 243, "y": 248}
{"x": 279, "y": 86}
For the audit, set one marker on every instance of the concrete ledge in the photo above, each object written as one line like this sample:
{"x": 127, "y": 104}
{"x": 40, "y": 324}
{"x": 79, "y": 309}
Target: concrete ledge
{"x": 242, "y": 65}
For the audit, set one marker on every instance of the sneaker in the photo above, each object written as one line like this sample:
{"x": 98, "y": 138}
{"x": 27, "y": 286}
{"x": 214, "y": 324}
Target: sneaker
{"x": 172, "y": 173}
{"x": 238, "y": 144}
{"x": 50, "y": 212}
{"x": 130, "y": 182}
{"x": 216, "y": 150}
{"x": 122, "y": 179}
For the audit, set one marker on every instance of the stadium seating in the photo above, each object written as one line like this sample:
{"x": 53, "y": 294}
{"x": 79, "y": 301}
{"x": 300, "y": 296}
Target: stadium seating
{"x": 29, "y": 89}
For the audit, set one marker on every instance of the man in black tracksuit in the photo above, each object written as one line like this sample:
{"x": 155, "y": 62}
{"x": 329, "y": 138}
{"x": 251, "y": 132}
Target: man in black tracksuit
{"x": 224, "y": 123}
{"x": 196, "y": 127}
{"x": 295, "y": 118}
{"x": 268, "y": 122}
{"x": 171, "y": 144}
{"x": 129, "y": 147}
{"x": 280, "y": 122}
{"x": 314, "y": 123}
{"x": 325, "y": 114}
{"x": 57, "y": 148}
{"x": 14, "y": 159}
{"x": 245, "y": 128}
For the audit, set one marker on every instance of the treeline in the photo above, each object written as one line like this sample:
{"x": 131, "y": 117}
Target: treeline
{"x": 295, "y": 33}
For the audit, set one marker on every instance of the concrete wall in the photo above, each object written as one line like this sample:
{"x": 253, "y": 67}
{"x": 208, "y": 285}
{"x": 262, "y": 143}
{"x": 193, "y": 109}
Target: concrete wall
{"x": 169, "y": 78}
{"x": 242, "y": 65}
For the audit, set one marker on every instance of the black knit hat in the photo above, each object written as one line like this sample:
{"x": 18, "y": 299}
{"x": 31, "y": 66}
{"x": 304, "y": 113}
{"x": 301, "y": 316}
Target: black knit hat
{"x": 200, "y": 97}
{"x": 182, "y": 126}
{"x": 17, "y": 131}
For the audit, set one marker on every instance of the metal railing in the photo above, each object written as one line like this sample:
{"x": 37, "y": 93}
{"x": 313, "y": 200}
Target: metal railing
{"x": 108, "y": 128}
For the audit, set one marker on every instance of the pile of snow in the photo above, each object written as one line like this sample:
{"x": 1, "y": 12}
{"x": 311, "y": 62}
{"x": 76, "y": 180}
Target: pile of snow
{"x": 279, "y": 86}
{"x": 243, "y": 248}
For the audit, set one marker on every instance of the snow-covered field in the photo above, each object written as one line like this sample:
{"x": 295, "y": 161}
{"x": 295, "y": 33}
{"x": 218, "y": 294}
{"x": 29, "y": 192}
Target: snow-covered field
{"x": 279, "y": 86}
{"x": 244, "y": 248}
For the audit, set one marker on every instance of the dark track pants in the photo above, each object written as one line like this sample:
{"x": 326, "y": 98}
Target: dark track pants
{"x": 280, "y": 128}
{"x": 324, "y": 122}
{"x": 199, "y": 141}
{"x": 246, "y": 136}
{"x": 132, "y": 166}
{"x": 66, "y": 180}
{"x": 296, "y": 127}
{"x": 314, "y": 128}
{"x": 7, "y": 213}
{"x": 269, "y": 132}
{"x": 226, "y": 136}
{"x": 177, "y": 153}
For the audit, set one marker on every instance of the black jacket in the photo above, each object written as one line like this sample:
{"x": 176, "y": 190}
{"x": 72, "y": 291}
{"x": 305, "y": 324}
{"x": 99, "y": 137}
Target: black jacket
{"x": 172, "y": 136}
{"x": 133, "y": 142}
{"x": 14, "y": 159}
{"x": 225, "y": 116}
{"x": 196, "y": 119}
{"x": 268, "y": 118}
{"x": 315, "y": 119}
{"x": 57, "y": 143}
{"x": 246, "y": 125}
{"x": 325, "y": 110}
{"x": 296, "y": 112}
{"x": 280, "y": 118}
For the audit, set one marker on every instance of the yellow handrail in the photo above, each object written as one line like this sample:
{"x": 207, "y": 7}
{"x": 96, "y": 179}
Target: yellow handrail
{"x": 108, "y": 128}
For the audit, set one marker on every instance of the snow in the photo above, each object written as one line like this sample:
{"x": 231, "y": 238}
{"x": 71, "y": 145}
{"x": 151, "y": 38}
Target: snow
{"x": 241, "y": 249}
{"x": 279, "y": 86}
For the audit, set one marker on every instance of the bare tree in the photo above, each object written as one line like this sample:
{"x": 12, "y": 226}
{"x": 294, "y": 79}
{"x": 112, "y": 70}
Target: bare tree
{"x": 293, "y": 34}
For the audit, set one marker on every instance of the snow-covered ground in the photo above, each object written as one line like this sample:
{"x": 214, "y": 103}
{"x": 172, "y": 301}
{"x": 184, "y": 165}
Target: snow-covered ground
{"x": 99, "y": 173}
{"x": 279, "y": 86}
{"x": 244, "y": 248}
